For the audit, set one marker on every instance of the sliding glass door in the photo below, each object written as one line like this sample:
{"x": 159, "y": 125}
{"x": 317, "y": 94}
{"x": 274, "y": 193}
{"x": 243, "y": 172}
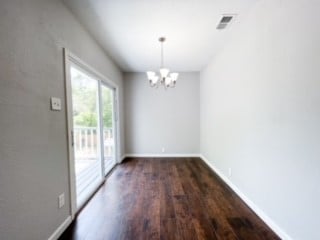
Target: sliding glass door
{"x": 92, "y": 118}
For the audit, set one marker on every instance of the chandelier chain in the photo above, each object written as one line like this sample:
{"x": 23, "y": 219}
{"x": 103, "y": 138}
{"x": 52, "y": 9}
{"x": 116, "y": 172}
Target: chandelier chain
{"x": 162, "y": 54}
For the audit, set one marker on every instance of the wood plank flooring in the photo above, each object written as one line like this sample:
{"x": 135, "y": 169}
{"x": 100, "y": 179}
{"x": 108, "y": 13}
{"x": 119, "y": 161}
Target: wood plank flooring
{"x": 171, "y": 198}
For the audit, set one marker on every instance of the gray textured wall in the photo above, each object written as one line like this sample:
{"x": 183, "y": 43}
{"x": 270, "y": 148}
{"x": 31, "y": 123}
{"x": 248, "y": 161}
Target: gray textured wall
{"x": 157, "y": 118}
{"x": 33, "y": 146}
{"x": 260, "y": 113}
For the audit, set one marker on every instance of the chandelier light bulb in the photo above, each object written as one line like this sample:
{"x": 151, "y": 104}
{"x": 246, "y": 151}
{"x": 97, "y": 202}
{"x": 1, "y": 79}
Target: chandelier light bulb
{"x": 168, "y": 81}
{"x": 155, "y": 79}
{"x": 164, "y": 72}
{"x": 174, "y": 76}
{"x": 150, "y": 75}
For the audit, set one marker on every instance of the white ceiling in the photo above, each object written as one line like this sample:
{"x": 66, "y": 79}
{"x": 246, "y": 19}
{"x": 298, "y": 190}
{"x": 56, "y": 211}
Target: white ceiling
{"x": 128, "y": 30}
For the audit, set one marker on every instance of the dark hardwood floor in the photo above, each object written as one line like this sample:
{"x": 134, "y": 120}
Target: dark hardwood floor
{"x": 165, "y": 199}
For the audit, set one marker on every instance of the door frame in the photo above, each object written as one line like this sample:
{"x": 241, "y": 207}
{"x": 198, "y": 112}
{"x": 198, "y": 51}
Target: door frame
{"x": 69, "y": 59}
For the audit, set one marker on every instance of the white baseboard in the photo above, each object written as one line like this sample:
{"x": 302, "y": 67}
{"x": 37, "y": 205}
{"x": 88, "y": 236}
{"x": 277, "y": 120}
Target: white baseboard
{"x": 282, "y": 234}
{"x": 122, "y": 158}
{"x": 162, "y": 155}
{"x": 57, "y": 233}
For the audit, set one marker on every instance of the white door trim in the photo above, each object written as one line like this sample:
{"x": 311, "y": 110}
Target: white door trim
{"x": 70, "y": 58}
{"x": 68, "y": 95}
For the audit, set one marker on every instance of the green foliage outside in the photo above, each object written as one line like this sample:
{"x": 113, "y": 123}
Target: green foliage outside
{"x": 85, "y": 98}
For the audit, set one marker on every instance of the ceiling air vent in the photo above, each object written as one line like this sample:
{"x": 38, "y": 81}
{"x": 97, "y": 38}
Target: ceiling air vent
{"x": 225, "y": 21}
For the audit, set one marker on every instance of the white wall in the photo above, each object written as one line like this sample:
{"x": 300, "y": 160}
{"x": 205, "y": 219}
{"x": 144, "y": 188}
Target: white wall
{"x": 156, "y": 118}
{"x": 260, "y": 112}
{"x": 33, "y": 145}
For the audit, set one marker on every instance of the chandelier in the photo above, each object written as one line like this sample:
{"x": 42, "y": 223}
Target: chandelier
{"x": 165, "y": 78}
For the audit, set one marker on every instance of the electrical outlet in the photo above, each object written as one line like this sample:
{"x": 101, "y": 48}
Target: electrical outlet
{"x": 61, "y": 200}
{"x": 230, "y": 172}
{"x": 163, "y": 149}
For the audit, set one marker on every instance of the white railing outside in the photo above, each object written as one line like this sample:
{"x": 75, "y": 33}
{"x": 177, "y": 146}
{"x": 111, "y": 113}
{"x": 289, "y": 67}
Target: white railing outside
{"x": 86, "y": 139}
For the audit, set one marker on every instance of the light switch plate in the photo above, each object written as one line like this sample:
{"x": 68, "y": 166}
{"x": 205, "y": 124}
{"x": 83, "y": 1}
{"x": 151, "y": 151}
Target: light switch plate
{"x": 61, "y": 200}
{"x": 55, "y": 104}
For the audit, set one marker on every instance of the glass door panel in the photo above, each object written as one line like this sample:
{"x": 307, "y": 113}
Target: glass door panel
{"x": 86, "y": 133}
{"x": 107, "y": 95}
